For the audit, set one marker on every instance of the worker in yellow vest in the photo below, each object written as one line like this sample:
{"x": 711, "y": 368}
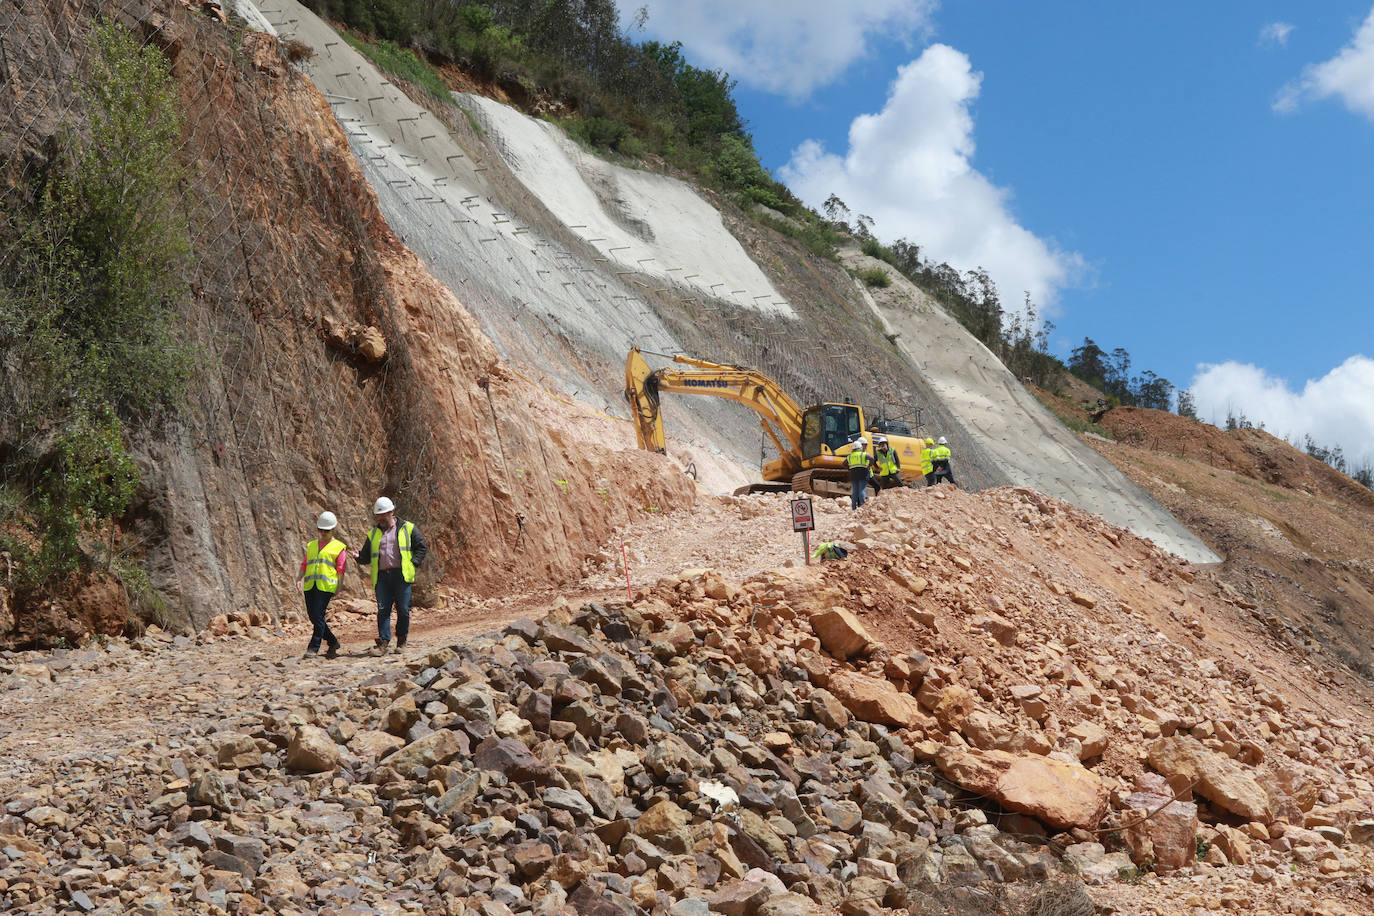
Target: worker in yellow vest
{"x": 321, "y": 573}
{"x": 858, "y": 461}
{"x": 393, "y": 551}
{"x": 940, "y": 459}
{"x": 928, "y": 462}
{"x": 887, "y": 466}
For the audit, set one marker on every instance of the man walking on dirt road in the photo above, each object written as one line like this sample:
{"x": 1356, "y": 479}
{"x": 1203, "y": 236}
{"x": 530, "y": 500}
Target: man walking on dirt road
{"x": 393, "y": 550}
{"x": 321, "y": 574}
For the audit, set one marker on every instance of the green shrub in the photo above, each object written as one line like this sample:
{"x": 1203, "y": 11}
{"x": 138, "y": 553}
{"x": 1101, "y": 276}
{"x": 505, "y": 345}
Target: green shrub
{"x": 403, "y": 64}
{"x": 89, "y": 290}
{"x": 875, "y": 249}
{"x": 874, "y": 276}
{"x": 605, "y": 133}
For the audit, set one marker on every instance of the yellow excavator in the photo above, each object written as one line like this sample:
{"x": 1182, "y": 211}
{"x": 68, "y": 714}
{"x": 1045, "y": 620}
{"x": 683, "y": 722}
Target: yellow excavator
{"x": 812, "y": 443}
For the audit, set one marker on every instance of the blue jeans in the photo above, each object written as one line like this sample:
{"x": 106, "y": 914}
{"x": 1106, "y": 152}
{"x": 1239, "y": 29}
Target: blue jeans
{"x": 315, "y": 603}
{"x": 392, "y": 589}
{"x": 858, "y": 487}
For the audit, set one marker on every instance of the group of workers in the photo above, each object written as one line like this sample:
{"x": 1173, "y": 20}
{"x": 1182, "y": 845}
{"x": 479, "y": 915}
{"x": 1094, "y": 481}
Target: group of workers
{"x": 391, "y": 552}
{"x": 883, "y": 467}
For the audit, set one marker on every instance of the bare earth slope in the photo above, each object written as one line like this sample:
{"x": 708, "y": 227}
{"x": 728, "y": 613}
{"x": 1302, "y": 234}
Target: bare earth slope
{"x": 1296, "y": 533}
{"x": 333, "y": 367}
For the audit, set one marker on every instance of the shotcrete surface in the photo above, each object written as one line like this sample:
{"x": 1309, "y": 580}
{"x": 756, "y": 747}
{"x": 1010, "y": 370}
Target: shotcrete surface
{"x": 557, "y": 278}
{"x": 551, "y": 247}
{"x": 1031, "y": 446}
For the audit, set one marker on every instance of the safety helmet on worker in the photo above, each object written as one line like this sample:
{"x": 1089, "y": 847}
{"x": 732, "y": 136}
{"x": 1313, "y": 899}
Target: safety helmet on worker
{"x": 383, "y": 505}
{"x": 880, "y": 440}
{"x": 929, "y": 441}
{"x": 861, "y": 442}
{"x": 944, "y": 441}
{"x": 327, "y": 521}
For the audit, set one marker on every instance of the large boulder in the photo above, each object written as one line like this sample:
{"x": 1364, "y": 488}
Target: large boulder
{"x": 1220, "y": 780}
{"x": 429, "y": 751}
{"x": 511, "y": 757}
{"x": 842, "y": 634}
{"x": 1160, "y": 830}
{"x": 1056, "y": 792}
{"x": 663, "y": 818}
{"x": 311, "y": 751}
{"x": 876, "y": 700}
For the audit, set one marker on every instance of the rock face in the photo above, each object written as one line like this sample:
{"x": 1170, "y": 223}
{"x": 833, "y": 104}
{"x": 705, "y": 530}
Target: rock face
{"x": 301, "y": 292}
{"x": 1060, "y": 793}
{"x": 1220, "y": 780}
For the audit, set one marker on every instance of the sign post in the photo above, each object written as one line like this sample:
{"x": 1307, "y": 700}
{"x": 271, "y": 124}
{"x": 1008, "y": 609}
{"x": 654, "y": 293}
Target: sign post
{"x": 804, "y": 521}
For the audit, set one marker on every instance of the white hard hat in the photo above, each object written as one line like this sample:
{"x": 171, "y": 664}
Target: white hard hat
{"x": 327, "y": 521}
{"x": 383, "y": 505}
{"x": 944, "y": 441}
{"x": 861, "y": 442}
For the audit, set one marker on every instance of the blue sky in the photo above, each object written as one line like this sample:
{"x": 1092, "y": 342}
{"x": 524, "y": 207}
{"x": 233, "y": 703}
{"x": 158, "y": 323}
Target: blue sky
{"x": 1193, "y": 182}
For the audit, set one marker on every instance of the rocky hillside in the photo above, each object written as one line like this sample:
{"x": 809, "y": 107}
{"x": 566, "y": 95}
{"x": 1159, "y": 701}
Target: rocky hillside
{"x": 332, "y": 366}
{"x": 1295, "y": 532}
{"x": 997, "y": 704}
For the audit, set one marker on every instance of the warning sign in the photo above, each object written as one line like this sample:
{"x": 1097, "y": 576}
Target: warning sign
{"x": 802, "y": 519}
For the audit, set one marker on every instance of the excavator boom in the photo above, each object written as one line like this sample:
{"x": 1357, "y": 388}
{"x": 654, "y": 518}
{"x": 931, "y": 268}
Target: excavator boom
{"x": 780, "y": 416}
{"x": 812, "y": 444}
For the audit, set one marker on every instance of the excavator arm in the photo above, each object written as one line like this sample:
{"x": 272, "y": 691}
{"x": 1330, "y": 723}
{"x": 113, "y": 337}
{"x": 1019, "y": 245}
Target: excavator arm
{"x": 779, "y": 415}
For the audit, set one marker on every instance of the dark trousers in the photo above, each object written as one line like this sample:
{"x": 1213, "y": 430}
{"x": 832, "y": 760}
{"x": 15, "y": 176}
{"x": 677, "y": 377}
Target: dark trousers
{"x": 392, "y": 589}
{"x": 930, "y": 479}
{"x": 315, "y": 603}
{"x": 887, "y": 482}
{"x": 942, "y": 472}
{"x": 858, "y": 487}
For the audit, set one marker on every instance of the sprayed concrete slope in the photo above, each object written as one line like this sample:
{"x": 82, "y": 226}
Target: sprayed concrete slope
{"x": 640, "y": 221}
{"x": 1030, "y": 445}
{"x": 552, "y": 250}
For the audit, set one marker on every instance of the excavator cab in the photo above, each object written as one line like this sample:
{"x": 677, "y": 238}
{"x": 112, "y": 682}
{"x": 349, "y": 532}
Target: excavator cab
{"x": 831, "y": 425}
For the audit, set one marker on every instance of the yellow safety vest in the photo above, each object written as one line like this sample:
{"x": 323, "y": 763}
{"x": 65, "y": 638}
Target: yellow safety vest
{"x": 374, "y": 540}
{"x": 927, "y": 461}
{"x": 941, "y": 451}
{"x": 320, "y": 573}
{"x": 858, "y": 459}
{"x": 887, "y": 462}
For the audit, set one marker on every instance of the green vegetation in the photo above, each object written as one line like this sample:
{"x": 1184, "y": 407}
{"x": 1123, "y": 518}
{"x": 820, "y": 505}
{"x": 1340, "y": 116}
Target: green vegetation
{"x": 874, "y": 276}
{"x": 816, "y": 235}
{"x": 93, "y": 257}
{"x": 402, "y": 63}
{"x": 634, "y": 99}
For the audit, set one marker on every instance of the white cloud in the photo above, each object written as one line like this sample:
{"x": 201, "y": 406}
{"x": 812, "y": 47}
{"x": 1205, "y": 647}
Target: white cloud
{"x": 1336, "y": 409}
{"x": 1348, "y": 76}
{"x": 1275, "y": 34}
{"x": 788, "y": 47}
{"x": 909, "y": 168}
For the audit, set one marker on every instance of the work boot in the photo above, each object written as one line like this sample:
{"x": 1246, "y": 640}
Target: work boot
{"x": 400, "y": 644}
{"x": 311, "y": 653}
{"x": 381, "y": 647}
{"x": 333, "y": 651}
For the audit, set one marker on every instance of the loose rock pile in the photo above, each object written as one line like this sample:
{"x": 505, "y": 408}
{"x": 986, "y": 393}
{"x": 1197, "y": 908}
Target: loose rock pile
{"x": 611, "y": 763}
{"x": 934, "y": 725}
